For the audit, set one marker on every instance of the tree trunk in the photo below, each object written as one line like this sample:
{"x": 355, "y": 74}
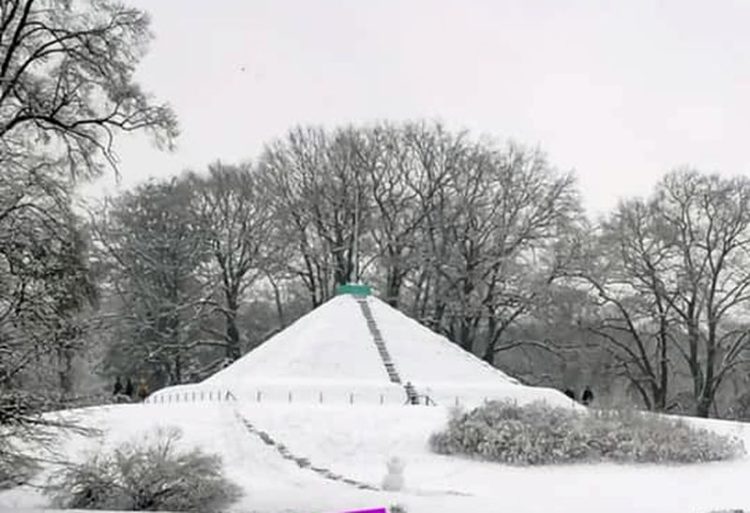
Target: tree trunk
{"x": 703, "y": 407}
{"x": 465, "y": 336}
{"x": 707, "y": 393}
{"x": 279, "y": 304}
{"x": 177, "y": 369}
{"x": 233, "y": 351}
{"x": 393, "y": 286}
{"x": 66, "y": 372}
{"x": 489, "y": 349}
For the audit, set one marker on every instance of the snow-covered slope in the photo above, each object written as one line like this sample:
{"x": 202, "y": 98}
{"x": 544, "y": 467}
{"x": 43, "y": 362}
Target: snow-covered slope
{"x": 423, "y": 356}
{"x": 330, "y": 356}
{"x": 330, "y": 344}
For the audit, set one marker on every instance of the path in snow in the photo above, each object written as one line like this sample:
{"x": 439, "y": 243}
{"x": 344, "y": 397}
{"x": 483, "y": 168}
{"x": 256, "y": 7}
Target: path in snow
{"x": 301, "y": 462}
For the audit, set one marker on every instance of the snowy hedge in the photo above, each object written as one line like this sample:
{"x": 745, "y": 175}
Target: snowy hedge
{"x": 539, "y": 434}
{"x": 150, "y": 475}
{"x": 15, "y": 468}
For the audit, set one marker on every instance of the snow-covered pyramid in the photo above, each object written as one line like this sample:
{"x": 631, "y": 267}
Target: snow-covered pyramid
{"x": 357, "y": 348}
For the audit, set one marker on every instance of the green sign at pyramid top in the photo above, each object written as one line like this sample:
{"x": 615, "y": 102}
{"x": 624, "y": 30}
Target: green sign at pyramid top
{"x": 356, "y": 289}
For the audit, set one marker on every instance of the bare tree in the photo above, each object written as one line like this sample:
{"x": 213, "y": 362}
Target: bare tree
{"x": 155, "y": 251}
{"x": 626, "y": 264}
{"x": 66, "y": 82}
{"x": 706, "y": 220}
{"x": 236, "y": 211}
{"x": 66, "y": 91}
{"x": 318, "y": 194}
{"x": 673, "y": 285}
{"x": 45, "y": 284}
{"x": 492, "y": 235}
{"x": 402, "y": 177}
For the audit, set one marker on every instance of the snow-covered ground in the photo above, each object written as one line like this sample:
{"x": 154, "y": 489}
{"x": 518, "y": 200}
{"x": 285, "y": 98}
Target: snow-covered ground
{"x": 320, "y": 388}
{"x": 356, "y": 441}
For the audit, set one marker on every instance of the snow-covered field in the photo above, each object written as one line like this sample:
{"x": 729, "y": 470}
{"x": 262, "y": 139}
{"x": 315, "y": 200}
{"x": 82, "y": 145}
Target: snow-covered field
{"x": 320, "y": 388}
{"x": 356, "y": 441}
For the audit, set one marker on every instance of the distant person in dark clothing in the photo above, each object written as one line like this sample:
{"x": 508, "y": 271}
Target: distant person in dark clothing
{"x": 129, "y": 388}
{"x": 570, "y": 393}
{"x": 118, "y": 387}
{"x": 411, "y": 394}
{"x": 142, "y": 390}
{"x": 587, "y": 396}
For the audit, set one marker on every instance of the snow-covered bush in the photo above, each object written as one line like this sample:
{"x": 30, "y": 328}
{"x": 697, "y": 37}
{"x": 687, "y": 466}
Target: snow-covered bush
{"x": 539, "y": 434}
{"x": 146, "y": 476}
{"x": 15, "y": 468}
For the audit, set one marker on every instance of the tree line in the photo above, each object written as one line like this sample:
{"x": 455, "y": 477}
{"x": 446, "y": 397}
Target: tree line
{"x": 485, "y": 243}
{"x": 482, "y": 241}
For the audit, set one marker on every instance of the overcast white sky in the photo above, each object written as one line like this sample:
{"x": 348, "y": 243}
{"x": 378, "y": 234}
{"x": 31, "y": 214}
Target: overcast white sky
{"x": 620, "y": 92}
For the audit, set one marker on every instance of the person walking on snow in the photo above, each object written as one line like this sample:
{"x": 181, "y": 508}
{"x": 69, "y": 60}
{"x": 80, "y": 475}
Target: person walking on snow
{"x": 587, "y": 396}
{"x": 129, "y": 388}
{"x": 142, "y": 390}
{"x": 411, "y": 394}
{"x": 118, "y": 387}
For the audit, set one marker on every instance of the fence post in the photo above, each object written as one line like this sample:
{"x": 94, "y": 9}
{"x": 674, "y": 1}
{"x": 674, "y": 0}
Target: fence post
{"x": 351, "y": 397}
{"x": 218, "y": 395}
{"x": 381, "y": 398}
{"x": 290, "y": 396}
{"x": 456, "y": 400}
{"x": 320, "y": 397}
{"x": 257, "y": 396}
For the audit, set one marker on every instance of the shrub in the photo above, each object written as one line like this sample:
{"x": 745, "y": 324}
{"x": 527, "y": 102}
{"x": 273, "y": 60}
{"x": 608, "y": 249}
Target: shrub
{"x": 539, "y": 434}
{"x": 15, "y": 467}
{"x": 151, "y": 475}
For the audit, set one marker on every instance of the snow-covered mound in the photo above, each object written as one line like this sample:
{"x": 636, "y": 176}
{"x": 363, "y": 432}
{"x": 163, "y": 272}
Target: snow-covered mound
{"x": 331, "y": 355}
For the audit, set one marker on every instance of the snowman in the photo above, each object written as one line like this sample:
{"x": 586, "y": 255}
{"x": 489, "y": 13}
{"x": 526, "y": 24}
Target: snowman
{"x": 394, "y": 479}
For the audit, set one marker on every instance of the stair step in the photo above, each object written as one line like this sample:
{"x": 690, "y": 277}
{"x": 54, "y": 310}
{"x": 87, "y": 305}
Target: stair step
{"x": 380, "y": 345}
